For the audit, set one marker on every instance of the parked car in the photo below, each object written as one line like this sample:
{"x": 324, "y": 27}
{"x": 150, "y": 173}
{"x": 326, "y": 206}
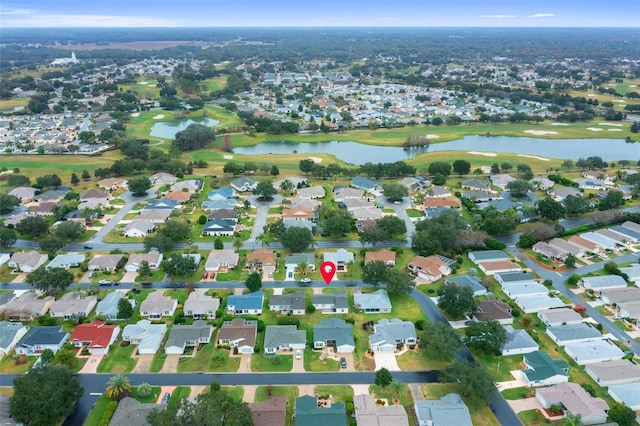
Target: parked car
{"x": 305, "y": 280}
{"x": 205, "y": 275}
{"x": 105, "y": 282}
{"x": 90, "y": 275}
{"x": 343, "y": 362}
{"x": 165, "y": 398}
{"x": 298, "y": 354}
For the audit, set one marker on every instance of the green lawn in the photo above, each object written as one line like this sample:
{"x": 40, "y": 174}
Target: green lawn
{"x": 95, "y": 416}
{"x": 499, "y": 366}
{"x": 9, "y": 366}
{"x": 518, "y": 393}
{"x": 208, "y": 358}
{"x": 416, "y": 360}
{"x": 403, "y": 396}
{"x": 158, "y": 361}
{"x": 176, "y": 397}
{"x": 278, "y": 363}
{"x": 119, "y": 359}
{"x": 264, "y": 393}
{"x": 312, "y": 362}
{"x": 532, "y": 417}
{"x": 481, "y": 415}
{"x": 153, "y": 397}
{"x": 338, "y": 392}
{"x": 235, "y": 392}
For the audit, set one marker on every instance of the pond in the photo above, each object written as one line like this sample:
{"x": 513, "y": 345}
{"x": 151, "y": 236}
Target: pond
{"x": 168, "y": 129}
{"x": 357, "y": 153}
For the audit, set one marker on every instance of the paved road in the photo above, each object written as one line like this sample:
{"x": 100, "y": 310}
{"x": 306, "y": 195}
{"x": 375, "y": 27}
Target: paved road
{"x": 401, "y": 212}
{"x": 261, "y": 214}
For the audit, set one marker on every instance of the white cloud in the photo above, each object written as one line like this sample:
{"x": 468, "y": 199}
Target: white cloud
{"x": 389, "y": 18}
{"x": 499, "y": 16}
{"x": 542, "y": 15}
{"x": 14, "y": 17}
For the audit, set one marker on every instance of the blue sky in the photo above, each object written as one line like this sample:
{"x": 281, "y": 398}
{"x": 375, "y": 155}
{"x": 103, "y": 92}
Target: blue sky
{"x": 344, "y": 13}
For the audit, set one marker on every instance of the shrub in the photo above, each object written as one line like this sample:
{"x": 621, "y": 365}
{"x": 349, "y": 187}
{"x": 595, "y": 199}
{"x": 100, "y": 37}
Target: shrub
{"x": 261, "y": 326}
{"x": 108, "y": 413}
{"x": 288, "y": 321}
{"x": 589, "y": 388}
{"x": 420, "y": 324}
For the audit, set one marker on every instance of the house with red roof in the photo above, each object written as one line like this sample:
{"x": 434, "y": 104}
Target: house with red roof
{"x": 97, "y": 337}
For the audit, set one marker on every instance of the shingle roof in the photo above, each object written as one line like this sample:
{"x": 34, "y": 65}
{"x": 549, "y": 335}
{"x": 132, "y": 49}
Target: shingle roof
{"x": 334, "y": 329}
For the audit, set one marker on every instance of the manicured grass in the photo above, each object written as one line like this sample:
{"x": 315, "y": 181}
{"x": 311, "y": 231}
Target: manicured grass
{"x": 404, "y": 396}
{"x": 158, "y": 361}
{"x": 518, "y": 393}
{"x": 153, "y": 397}
{"x": 338, "y": 392}
{"x": 95, "y": 416}
{"x": 119, "y": 359}
{"x": 263, "y": 364}
{"x": 5, "y": 274}
{"x": 414, "y": 213}
{"x": 176, "y": 397}
{"x": 481, "y": 415}
{"x": 312, "y": 362}
{"x": 499, "y": 366}
{"x": 416, "y": 360}
{"x": 9, "y": 366}
{"x": 209, "y": 359}
{"x": 235, "y": 392}
{"x": 532, "y": 417}
{"x": 263, "y": 393}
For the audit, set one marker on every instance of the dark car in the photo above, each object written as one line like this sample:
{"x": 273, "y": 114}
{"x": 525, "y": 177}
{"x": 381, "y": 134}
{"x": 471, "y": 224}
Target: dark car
{"x": 88, "y": 247}
{"x": 343, "y": 362}
{"x": 147, "y": 285}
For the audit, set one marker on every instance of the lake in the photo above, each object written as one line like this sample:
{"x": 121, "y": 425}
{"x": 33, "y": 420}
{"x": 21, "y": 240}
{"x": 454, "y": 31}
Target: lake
{"x": 168, "y": 129}
{"x": 357, "y": 153}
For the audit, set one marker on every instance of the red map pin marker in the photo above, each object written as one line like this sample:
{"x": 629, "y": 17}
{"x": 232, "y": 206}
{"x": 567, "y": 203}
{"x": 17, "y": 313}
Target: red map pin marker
{"x": 328, "y": 271}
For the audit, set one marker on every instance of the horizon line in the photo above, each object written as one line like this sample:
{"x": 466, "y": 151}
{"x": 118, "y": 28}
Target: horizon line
{"x": 325, "y": 26}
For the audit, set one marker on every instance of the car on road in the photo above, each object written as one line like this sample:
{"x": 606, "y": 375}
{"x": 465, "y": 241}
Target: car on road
{"x": 343, "y": 362}
{"x": 298, "y": 354}
{"x": 105, "y": 282}
{"x": 397, "y": 203}
{"x": 305, "y": 280}
{"x": 88, "y": 247}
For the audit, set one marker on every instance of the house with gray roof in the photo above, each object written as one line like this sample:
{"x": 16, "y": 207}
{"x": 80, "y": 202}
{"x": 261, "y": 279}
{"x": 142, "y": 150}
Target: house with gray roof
{"x": 559, "y": 316}
{"x": 548, "y": 251}
{"x": 494, "y": 309}
{"x": 221, "y": 259}
{"x": 334, "y": 332}
{"x": 162, "y": 178}
{"x": 245, "y": 304}
{"x": 388, "y": 334}
{"x": 182, "y": 336}
{"x": 311, "y": 192}
{"x": 244, "y": 184}
{"x": 27, "y": 261}
{"x": 331, "y": 303}
{"x": 631, "y": 235}
{"x": 157, "y": 305}
{"x": 51, "y": 196}
{"x": 294, "y": 223}
{"x": 272, "y": 412}
{"x": 289, "y": 303}
{"x": 105, "y": 262}
{"x": 283, "y": 337}
{"x": 212, "y": 205}
{"x": 475, "y": 184}
{"x": 519, "y": 289}
{"x": 37, "y": 339}
{"x": 627, "y": 394}
{"x": 219, "y": 227}
{"x": 154, "y": 216}
{"x": 562, "y": 192}
{"x": 366, "y": 184}
{"x": 147, "y": 336}
{"x": 614, "y": 372}
{"x": 542, "y": 370}
{"x": 10, "y": 335}
{"x": 477, "y": 196}
{"x": 514, "y": 277}
{"x": 200, "y": 306}
{"x": 605, "y": 243}
{"x": 472, "y": 282}
{"x": 295, "y": 259}
{"x": 66, "y": 261}
{"x": 370, "y": 303}
{"x": 28, "y": 306}
{"x": 630, "y": 310}
{"x": 575, "y": 400}
{"x": 343, "y": 193}
{"x": 620, "y": 295}
{"x": 633, "y": 273}
{"x": 191, "y": 185}
{"x": 308, "y": 412}
{"x": 446, "y": 411}
{"x": 139, "y": 228}
{"x": 575, "y": 333}
{"x": 73, "y": 305}
{"x": 108, "y": 307}
{"x": 5, "y": 298}
{"x": 24, "y": 193}
{"x": 603, "y": 282}
{"x": 531, "y": 304}
{"x": 154, "y": 258}
{"x": 163, "y": 204}
{"x": 341, "y": 258}
{"x": 487, "y": 256}
{"x": 239, "y": 333}
{"x": 592, "y": 352}
{"x": 130, "y": 412}
{"x": 518, "y": 342}
{"x": 567, "y": 247}
{"x": 368, "y": 413}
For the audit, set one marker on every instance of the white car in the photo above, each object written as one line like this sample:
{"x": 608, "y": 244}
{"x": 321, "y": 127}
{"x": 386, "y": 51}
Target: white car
{"x": 305, "y": 280}
{"x": 298, "y": 354}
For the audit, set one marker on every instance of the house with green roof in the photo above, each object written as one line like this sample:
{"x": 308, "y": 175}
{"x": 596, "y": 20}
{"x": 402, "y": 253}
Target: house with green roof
{"x": 542, "y": 370}
{"x": 282, "y": 337}
{"x": 334, "y": 332}
{"x": 308, "y": 413}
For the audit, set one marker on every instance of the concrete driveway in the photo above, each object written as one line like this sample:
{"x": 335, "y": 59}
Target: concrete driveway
{"x": 261, "y": 213}
{"x": 387, "y": 360}
{"x": 91, "y": 366}
{"x": 298, "y": 364}
{"x": 401, "y": 212}
{"x": 144, "y": 362}
{"x": 170, "y": 364}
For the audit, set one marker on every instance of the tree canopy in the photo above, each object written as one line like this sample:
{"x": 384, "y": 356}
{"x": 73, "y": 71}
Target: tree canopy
{"x": 195, "y": 136}
{"x": 178, "y": 265}
{"x": 254, "y": 281}
{"x": 139, "y": 185}
{"x": 8, "y": 202}
{"x": 439, "y": 234}
{"x": 461, "y": 167}
{"x": 487, "y": 336}
{"x": 475, "y": 381}
{"x": 440, "y": 341}
{"x": 456, "y": 300}
{"x": 265, "y": 190}
{"x": 373, "y": 273}
{"x": 296, "y": 239}
{"x": 335, "y": 222}
{"x": 54, "y": 278}
{"x": 394, "y": 191}
{"x": 33, "y": 225}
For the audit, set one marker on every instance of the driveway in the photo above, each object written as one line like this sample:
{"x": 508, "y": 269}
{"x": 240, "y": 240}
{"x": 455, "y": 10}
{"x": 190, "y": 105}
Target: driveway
{"x": 401, "y": 212}
{"x": 91, "y": 366}
{"x": 144, "y": 362}
{"x": 170, "y": 364}
{"x": 387, "y": 360}
{"x": 245, "y": 364}
{"x": 525, "y": 404}
{"x": 298, "y": 364}
{"x": 261, "y": 213}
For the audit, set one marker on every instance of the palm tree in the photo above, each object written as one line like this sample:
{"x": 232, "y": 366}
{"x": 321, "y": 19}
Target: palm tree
{"x": 118, "y": 387}
{"x": 237, "y": 243}
{"x": 302, "y": 267}
{"x": 144, "y": 390}
{"x": 396, "y": 387}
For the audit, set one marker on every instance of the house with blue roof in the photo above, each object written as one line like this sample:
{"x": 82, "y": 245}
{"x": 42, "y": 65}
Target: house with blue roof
{"x": 38, "y": 339}
{"x": 366, "y": 184}
{"x": 66, "y": 261}
{"x": 226, "y": 204}
{"x": 246, "y": 304}
{"x": 244, "y": 184}
{"x": 221, "y": 194}
{"x": 449, "y": 410}
{"x": 162, "y": 204}
{"x": 310, "y": 413}
{"x": 219, "y": 227}
{"x": 108, "y": 307}
{"x": 473, "y": 283}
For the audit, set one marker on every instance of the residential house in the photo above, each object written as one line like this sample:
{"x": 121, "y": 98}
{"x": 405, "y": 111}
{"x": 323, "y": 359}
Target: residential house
{"x": 139, "y": 228}
{"x": 356, "y": 203}
{"x": 299, "y": 213}
{"x": 535, "y": 303}
{"x": 341, "y": 258}
{"x": 586, "y": 245}
{"x": 593, "y": 352}
{"x": 211, "y": 205}
{"x": 262, "y": 259}
{"x": 308, "y": 412}
{"x": 154, "y": 216}
{"x": 336, "y": 333}
{"x": 23, "y": 193}
{"x": 162, "y": 178}
{"x": 438, "y": 192}
{"x": 562, "y": 192}
{"x": 182, "y": 336}
{"x": 44, "y": 209}
{"x": 630, "y": 235}
{"x": 631, "y": 225}
{"x": 312, "y": 205}
{"x": 620, "y": 295}
{"x": 331, "y": 303}
{"x": 477, "y": 196}
{"x": 368, "y": 413}
{"x": 383, "y": 255}
{"x": 5, "y": 298}
{"x": 630, "y": 310}
{"x": 366, "y": 213}
{"x": 430, "y": 268}
{"x": 575, "y": 400}
{"x": 493, "y": 261}
{"x": 283, "y": 337}
{"x": 343, "y": 193}
{"x": 147, "y": 336}
{"x": 272, "y": 412}
{"x": 293, "y": 223}
{"x": 239, "y": 333}
{"x": 28, "y": 306}
{"x": 180, "y": 197}
{"x": 599, "y": 176}
{"x": 603, "y": 282}
{"x": 550, "y": 252}
{"x": 432, "y": 205}
{"x": 73, "y": 305}
{"x": 501, "y": 180}
{"x": 370, "y": 303}
{"x": 108, "y": 307}
{"x": 105, "y": 262}
{"x": 96, "y": 336}
{"x": 446, "y": 411}
{"x": 66, "y": 261}
{"x": 605, "y": 242}
{"x": 542, "y": 183}
{"x": 221, "y": 260}
{"x": 244, "y": 184}
{"x": 592, "y": 184}
{"x": 614, "y": 372}
{"x": 311, "y": 193}
{"x": 154, "y": 258}
{"x": 518, "y": 289}
{"x": 475, "y": 185}
{"x": 27, "y": 261}
{"x": 620, "y": 239}
{"x": 157, "y": 305}
{"x": 97, "y": 196}
{"x": 542, "y": 370}
{"x": 189, "y": 185}
{"x": 245, "y": 304}
{"x": 413, "y": 183}
{"x": 163, "y": 204}
{"x": 289, "y": 303}
{"x": 494, "y": 309}
{"x": 559, "y": 316}
{"x": 575, "y": 333}
{"x": 567, "y": 247}
{"x": 518, "y": 342}
{"x": 627, "y": 394}
{"x": 130, "y": 412}
{"x": 514, "y": 278}
{"x": 219, "y": 227}
{"x": 292, "y": 262}
{"x": 10, "y": 335}
{"x": 200, "y": 306}
{"x": 224, "y": 214}
{"x": 51, "y": 196}
{"x": 472, "y": 282}
{"x": 38, "y": 338}
{"x": 365, "y": 184}
{"x": 388, "y": 334}
{"x": 112, "y": 184}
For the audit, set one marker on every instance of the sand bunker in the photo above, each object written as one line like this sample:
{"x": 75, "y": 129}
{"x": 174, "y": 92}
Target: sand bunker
{"x": 594, "y": 129}
{"x": 432, "y": 136}
{"x": 486, "y": 154}
{"x": 611, "y": 124}
{"x": 619, "y": 101}
{"x": 227, "y": 156}
{"x": 559, "y": 124}
{"x": 591, "y": 95}
{"x": 615, "y": 130}
{"x": 541, "y": 132}
{"x": 158, "y": 117}
{"x": 135, "y": 114}
{"x": 633, "y": 85}
{"x": 144, "y": 82}
{"x": 316, "y": 159}
{"x": 534, "y": 157}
